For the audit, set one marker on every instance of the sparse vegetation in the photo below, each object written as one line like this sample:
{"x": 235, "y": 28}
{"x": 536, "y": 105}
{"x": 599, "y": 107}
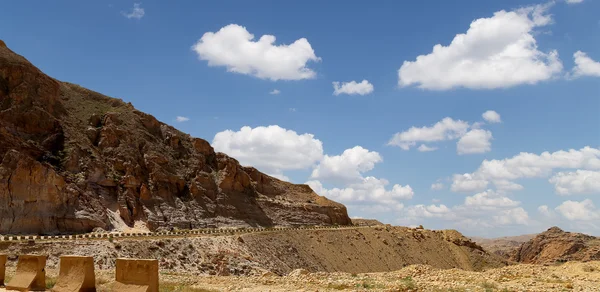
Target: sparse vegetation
{"x": 409, "y": 283}
{"x": 175, "y": 287}
{"x": 50, "y": 282}
{"x": 588, "y": 268}
{"x": 489, "y": 286}
{"x": 338, "y": 286}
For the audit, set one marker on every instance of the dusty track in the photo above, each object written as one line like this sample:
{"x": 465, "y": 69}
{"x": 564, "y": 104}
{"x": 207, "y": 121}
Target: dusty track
{"x": 173, "y": 234}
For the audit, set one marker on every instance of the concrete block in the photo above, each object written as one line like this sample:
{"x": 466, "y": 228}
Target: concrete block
{"x": 30, "y": 274}
{"x": 76, "y": 274}
{"x": 136, "y": 275}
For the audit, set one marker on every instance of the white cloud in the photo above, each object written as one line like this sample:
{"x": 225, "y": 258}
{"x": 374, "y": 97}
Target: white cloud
{"x": 578, "y": 211}
{"x": 280, "y": 176}
{"x": 427, "y": 211}
{"x": 467, "y": 183}
{"x": 425, "y": 148}
{"x": 482, "y": 211}
{"x": 370, "y": 190}
{"x": 584, "y": 66}
{"x": 275, "y": 92}
{"x": 545, "y": 211}
{"x": 233, "y": 47}
{"x": 292, "y": 109}
{"x": 437, "y": 186}
{"x": 475, "y": 141}
{"x": 446, "y": 129}
{"x": 512, "y": 216}
{"x": 525, "y": 165}
{"x": 347, "y": 167}
{"x": 578, "y": 182}
{"x": 182, "y": 119}
{"x": 137, "y": 12}
{"x": 495, "y": 52}
{"x": 506, "y": 185}
{"x": 352, "y": 87}
{"x": 573, "y": 1}
{"x": 271, "y": 149}
{"x": 490, "y": 199}
{"x": 491, "y": 117}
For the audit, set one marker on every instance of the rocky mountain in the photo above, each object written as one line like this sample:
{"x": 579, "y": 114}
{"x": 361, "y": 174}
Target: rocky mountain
{"x": 502, "y": 246}
{"x": 556, "y": 245}
{"x": 72, "y": 160}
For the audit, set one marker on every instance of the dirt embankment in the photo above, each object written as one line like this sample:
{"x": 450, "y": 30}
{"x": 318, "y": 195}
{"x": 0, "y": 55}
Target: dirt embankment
{"x": 360, "y": 250}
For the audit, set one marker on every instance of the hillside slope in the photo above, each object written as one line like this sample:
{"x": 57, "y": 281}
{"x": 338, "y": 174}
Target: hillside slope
{"x": 72, "y": 160}
{"x": 353, "y": 250}
{"x": 555, "y": 245}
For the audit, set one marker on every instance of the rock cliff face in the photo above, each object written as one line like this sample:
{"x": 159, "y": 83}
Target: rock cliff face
{"x": 556, "y": 245}
{"x": 72, "y": 160}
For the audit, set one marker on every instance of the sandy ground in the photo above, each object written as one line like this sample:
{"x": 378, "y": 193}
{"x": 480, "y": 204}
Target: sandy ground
{"x": 573, "y": 276}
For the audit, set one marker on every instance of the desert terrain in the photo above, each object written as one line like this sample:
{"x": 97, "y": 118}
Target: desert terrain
{"x": 103, "y": 179}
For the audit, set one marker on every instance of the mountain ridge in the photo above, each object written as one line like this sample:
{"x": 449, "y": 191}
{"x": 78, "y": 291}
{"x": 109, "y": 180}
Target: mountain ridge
{"x": 69, "y": 155}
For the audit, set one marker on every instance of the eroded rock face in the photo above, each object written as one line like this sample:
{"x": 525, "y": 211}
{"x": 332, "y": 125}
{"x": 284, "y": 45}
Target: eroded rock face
{"x": 557, "y": 245}
{"x": 71, "y": 158}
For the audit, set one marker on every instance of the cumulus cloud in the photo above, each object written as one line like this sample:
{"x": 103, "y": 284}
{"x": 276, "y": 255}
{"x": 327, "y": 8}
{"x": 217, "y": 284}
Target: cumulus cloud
{"x": 512, "y": 216}
{"x": 584, "y": 66}
{"x": 467, "y": 183}
{"x": 182, "y": 119}
{"x": 495, "y": 52}
{"x": 357, "y": 191}
{"x": 446, "y": 129}
{"x": 275, "y": 92}
{"x": 529, "y": 165}
{"x": 475, "y": 141}
{"x": 578, "y": 211}
{"x": 431, "y": 211}
{"x": 369, "y": 190}
{"x": 271, "y": 149}
{"x": 490, "y": 199}
{"x": 280, "y": 176}
{"x": 483, "y": 210}
{"x": 234, "y": 48}
{"x": 137, "y": 12}
{"x": 425, "y": 148}
{"x": 352, "y": 88}
{"x": 578, "y": 182}
{"x": 491, "y": 117}
{"x": 347, "y": 167}
{"x": 506, "y": 185}
{"x": 437, "y": 186}
{"x": 545, "y": 211}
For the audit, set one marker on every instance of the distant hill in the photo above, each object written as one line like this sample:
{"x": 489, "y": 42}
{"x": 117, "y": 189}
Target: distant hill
{"x": 365, "y": 222}
{"x": 556, "y": 245}
{"x": 502, "y": 246}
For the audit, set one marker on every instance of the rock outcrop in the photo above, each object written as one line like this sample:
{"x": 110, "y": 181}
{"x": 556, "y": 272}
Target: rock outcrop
{"x": 556, "y": 245}
{"x": 72, "y": 160}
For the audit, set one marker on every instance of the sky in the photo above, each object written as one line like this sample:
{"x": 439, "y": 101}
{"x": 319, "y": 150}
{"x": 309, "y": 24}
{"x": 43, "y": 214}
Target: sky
{"x": 480, "y": 116}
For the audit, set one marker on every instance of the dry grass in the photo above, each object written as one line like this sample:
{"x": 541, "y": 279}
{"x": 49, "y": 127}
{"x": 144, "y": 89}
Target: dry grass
{"x": 174, "y": 287}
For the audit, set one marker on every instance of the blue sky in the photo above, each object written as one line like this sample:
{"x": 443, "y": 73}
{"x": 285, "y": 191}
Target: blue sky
{"x": 196, "y": 60}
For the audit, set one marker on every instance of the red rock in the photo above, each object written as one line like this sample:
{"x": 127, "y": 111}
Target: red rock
{"x": 69, "y": 154}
